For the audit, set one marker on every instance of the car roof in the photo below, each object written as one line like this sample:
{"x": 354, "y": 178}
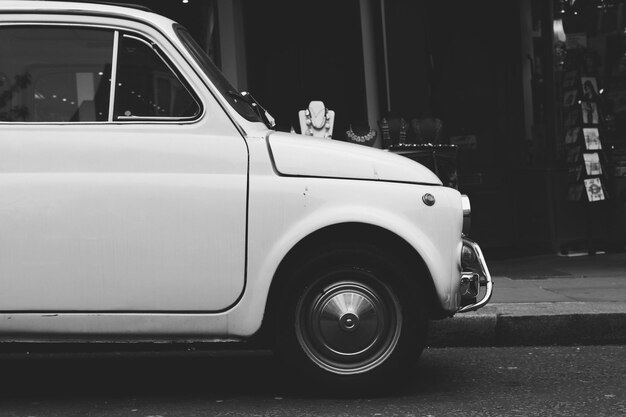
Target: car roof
{"x": 99, "y": 8}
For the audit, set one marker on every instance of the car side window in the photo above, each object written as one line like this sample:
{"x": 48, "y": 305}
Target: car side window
{"x": 147, "y": 86}
{"x": 54, "y": 74}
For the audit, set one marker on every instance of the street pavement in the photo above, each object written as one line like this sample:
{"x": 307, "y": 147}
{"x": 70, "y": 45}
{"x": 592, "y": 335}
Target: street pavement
{"x": 545, "y": 300}
{"x": 520, "y": 381}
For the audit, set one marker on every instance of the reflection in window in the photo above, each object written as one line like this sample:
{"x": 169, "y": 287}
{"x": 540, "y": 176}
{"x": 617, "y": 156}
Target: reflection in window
{"x": 55, "y": 74}
{"x": 146, "y": 85}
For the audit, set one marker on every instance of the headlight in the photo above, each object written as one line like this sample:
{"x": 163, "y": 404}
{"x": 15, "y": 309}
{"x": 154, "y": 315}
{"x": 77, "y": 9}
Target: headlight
{"x": 467, "y": 211}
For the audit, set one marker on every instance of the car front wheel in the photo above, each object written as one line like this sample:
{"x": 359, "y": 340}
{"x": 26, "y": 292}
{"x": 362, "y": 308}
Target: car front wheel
{"x": 351, "y": 314}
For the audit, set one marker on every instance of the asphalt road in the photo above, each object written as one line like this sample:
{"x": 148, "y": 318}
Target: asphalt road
{"x": 526, "y": 381}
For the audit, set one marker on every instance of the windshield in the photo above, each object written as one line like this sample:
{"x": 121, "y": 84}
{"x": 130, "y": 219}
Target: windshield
{"x": 242, "y": 106}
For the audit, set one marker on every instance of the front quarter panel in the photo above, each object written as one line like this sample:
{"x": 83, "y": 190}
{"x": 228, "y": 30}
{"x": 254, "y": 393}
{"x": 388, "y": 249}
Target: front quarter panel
{"x": 285, "y": 210}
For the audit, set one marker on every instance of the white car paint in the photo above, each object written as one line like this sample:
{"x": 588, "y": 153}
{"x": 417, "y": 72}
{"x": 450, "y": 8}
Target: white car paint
{"x": 164, "y": 231}
{"x": 284, "y": 210}
{"x": 299, "y": 206}
{"x": 305, "y": 156}
{"x": 125, "y": 218}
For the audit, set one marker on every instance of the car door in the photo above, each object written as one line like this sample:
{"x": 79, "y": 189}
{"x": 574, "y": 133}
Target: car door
{"x": 123, "y": 199}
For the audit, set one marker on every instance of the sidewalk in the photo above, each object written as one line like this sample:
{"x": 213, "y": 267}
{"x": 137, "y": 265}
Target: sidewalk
{"x": 545, "y": 300}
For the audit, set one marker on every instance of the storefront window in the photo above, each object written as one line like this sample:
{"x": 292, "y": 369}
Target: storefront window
{"x": 589, "y": 47}
{"x": 589, "y": 59}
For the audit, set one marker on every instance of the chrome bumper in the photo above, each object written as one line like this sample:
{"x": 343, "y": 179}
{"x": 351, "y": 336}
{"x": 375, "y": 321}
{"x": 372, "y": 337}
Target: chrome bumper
{"x": 474, "y": 277}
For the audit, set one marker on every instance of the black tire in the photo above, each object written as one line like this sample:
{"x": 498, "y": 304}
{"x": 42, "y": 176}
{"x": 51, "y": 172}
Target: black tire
{"x": 351, "y": 317}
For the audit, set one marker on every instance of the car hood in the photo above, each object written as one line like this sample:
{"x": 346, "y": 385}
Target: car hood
{"x": 300, "y": 155}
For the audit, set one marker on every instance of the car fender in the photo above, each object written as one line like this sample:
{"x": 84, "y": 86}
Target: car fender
{"x": 262, "y": 267}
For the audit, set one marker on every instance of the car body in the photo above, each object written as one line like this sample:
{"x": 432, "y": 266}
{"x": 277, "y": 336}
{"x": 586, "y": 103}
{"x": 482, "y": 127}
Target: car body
{"x": 166, "y": 209}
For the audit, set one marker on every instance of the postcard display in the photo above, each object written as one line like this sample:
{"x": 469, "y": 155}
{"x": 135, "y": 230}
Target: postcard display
{"x": 585, "y": 156}
{"x": 583, "y": 138}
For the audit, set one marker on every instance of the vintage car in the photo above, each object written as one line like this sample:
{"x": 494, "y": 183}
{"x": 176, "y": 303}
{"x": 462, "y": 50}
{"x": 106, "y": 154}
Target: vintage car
{"x": 143, "y": 199}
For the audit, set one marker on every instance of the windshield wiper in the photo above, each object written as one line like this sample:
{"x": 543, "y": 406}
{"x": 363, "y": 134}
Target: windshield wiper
{"x": 247, "y": 98}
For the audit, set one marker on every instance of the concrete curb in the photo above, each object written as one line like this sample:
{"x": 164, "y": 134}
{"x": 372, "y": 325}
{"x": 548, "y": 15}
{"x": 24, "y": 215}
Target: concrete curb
{"x": 534, "y": 324}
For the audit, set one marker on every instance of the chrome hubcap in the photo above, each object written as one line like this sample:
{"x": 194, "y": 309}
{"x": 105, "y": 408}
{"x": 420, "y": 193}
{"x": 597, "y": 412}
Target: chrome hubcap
{"x": 348, "y": 327}
{"x": 349, "y": 322}
{"x": 348, "y": 319}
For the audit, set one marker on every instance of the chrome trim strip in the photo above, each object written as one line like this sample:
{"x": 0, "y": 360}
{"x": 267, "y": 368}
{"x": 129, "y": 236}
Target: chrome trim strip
{"x": 137, "y": 38}
{"x": 113, "y": 83}
{"x": 162, "y": 118}
{"x": 484, "y": 272}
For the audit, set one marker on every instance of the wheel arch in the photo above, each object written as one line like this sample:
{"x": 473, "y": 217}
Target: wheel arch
{"x": 362, "y": 232}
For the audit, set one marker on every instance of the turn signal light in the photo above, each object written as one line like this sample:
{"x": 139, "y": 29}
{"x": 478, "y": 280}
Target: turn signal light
{"x": 468, "y": 257}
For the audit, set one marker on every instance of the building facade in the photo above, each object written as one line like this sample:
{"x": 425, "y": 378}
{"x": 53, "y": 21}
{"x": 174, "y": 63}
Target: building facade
{"x": 509, "y": 92}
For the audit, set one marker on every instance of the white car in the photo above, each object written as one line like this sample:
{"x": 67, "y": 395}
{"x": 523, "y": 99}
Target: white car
{"x": 143, "y": 199}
